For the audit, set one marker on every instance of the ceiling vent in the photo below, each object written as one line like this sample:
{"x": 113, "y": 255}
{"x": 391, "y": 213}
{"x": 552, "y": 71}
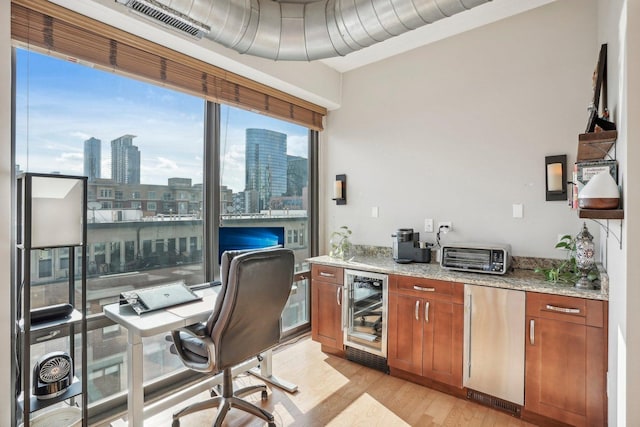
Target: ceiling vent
{"x": 167, "y": 16}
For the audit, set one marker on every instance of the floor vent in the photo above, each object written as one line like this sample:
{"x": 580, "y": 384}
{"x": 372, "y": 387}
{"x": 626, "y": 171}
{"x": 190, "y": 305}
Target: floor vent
{"x": 494, "y": 402}
{"x": 367, "y": 359}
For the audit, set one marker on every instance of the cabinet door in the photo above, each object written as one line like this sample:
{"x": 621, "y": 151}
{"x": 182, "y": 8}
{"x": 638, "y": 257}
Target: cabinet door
{"x": 563, "y": 370}
{"x": 326, "y": 313}
{"x": 442, "y": 348}
{"x": 404, "y": 338}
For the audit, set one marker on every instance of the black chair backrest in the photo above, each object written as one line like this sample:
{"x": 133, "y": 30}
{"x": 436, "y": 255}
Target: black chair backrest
{"x": 255, "y": 289}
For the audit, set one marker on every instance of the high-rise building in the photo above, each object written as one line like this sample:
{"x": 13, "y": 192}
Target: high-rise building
{"x": 265, "y": 165}
{"x": 92, "y": 159}
{"x": 125, "y": 160}
{"x": 297, "y": 175}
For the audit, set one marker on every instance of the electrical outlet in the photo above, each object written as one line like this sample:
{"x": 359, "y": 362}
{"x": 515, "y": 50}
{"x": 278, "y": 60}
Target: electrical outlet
{"x": 428, "y": 225}
{"x": 445, "y": 226}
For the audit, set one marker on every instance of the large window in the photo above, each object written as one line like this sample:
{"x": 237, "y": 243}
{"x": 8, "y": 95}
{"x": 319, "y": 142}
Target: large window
{"x": 264, "y": 176}
{"x": 142, "y": 148}
{"x": 139, "y": 139}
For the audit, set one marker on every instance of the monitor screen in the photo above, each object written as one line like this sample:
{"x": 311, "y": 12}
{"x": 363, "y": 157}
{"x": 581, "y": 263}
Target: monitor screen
{"x": 241, "y": 238}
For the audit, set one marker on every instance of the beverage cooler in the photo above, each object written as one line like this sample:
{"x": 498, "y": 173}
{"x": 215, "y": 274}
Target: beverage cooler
{"x": 365, "y": 311}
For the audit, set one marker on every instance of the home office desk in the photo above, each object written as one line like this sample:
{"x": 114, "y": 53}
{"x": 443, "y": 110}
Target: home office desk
{"x": 161, "y": 322}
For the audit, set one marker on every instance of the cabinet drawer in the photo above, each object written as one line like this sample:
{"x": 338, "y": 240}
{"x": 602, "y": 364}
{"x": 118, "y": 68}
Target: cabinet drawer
{"x": 327, "y": 273}
{"x": 567, "y": 309}
{"x": 427, "y": 288}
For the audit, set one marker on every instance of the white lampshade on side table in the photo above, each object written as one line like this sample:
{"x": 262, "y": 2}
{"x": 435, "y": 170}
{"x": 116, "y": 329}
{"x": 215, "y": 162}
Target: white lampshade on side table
{"x": 601, "y": 192}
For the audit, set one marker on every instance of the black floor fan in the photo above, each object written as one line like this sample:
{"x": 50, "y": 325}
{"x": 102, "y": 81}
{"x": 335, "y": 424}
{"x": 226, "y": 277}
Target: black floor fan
{"x": 52, "y": 375}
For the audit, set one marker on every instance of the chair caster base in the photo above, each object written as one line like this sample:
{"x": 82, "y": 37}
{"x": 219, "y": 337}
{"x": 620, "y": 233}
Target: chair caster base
{"x": 264, "y": 395}
{"x": 175, "y": 423}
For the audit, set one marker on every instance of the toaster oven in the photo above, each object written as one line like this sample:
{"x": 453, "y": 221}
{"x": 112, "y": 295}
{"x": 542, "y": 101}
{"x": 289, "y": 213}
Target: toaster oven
{"x": 474, "y": 257}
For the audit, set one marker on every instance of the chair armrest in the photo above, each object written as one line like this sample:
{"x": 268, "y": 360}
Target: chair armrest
{"x": 197, "y": 330}
{"x": 190, "y": 337}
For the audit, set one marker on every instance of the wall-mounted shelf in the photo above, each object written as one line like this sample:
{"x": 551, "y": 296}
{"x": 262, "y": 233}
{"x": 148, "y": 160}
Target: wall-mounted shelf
{"x": 601, "y": 213}
{"x": 595, "y": 145}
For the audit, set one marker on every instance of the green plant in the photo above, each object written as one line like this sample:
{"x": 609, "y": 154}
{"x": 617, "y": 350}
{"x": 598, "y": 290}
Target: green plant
{"x": 340, "y": 244}
{"x": 566, "y": 271}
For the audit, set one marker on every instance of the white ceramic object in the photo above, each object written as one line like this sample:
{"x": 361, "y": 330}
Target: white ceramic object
{"x": 68, "y": 416}
{"x": 601, "y": 192}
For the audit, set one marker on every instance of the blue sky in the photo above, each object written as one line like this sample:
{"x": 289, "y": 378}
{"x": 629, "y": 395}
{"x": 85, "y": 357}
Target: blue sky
{"x": 60, "y": 104}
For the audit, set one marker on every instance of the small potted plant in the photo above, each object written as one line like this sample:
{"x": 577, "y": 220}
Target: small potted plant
{"x": 340, "y": 244}
{"x": 567, "y": 271}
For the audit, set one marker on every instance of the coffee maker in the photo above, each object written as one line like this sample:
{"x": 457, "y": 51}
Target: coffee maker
{"x": 406, "y": 247}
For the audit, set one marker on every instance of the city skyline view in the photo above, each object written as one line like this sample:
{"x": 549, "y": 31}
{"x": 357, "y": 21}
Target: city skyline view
{"x": 61, "y": 104}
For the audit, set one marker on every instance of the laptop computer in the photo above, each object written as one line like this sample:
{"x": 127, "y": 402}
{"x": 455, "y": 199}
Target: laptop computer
{"x": 158, "y": 297}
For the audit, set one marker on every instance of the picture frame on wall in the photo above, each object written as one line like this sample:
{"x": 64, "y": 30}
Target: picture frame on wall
{"x": 599, "y": 87}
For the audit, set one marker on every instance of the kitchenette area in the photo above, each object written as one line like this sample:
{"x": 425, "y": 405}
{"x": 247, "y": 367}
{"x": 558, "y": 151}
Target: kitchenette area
{"x": 507, "y": 339}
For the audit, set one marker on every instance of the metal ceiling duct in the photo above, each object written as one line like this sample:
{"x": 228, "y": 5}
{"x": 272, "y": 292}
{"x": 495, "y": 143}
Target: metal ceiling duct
{"x": 305, "y": 30}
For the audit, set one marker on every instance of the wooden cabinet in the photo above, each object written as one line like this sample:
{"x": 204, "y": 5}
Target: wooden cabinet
{"x": 326, "y": 306}
{"x": 566, "y": 359}
{"x": 426, "y": 328}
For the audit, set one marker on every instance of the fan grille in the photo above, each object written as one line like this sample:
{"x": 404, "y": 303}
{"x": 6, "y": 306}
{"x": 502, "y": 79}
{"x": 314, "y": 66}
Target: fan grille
{"x": 55, "y": 369}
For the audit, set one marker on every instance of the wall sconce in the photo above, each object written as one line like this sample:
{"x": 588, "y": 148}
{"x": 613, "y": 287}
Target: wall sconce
{"x": 556, "y": 177}
{"x": 340, "y": 190}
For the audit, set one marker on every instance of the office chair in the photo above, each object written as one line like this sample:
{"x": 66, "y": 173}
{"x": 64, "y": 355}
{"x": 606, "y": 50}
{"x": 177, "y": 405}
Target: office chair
{"x": 244, "y": 323}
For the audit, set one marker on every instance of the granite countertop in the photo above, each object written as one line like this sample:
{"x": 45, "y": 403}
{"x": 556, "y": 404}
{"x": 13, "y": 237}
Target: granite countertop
{"x": 525, "y": 280}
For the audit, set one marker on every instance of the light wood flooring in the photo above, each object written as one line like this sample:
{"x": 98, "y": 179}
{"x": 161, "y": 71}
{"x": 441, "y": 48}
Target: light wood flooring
{"x": 336, "y": 392}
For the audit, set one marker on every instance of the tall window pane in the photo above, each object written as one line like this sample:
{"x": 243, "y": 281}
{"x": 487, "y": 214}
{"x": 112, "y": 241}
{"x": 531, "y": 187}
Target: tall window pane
{"x": 141, "y": 147}
{"x": 264, "y": 176}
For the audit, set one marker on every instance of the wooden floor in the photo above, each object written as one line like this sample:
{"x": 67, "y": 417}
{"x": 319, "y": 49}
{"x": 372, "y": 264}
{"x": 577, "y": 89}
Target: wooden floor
{"x": 336, "y": 392}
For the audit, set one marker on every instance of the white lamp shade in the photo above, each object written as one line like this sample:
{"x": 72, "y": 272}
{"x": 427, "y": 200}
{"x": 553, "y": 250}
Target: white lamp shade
{"x": 601, "y": 192}
{"x": 56, "y": 211}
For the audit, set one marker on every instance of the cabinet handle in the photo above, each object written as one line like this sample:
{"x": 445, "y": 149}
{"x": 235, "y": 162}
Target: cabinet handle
{"x": 563, "y": 309}
{"x": 423, "y": 289}
{"x": 339, "y": 295}
{"x": 426, "y": 312}
{"x": 417, "y": 310}
{"x": 323, "y": 274}
{"x": 532, "y": 332}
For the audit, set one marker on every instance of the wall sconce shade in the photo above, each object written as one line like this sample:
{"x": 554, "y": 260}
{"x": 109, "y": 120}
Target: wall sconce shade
{"x": 556, "y": 177}
{"x": 340, "y": 190}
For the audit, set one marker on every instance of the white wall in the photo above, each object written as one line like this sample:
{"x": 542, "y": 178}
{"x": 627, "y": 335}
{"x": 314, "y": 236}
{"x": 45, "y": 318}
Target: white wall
{"x": 5, "y": 213}
{"x": 619, "y": 27}
{"x": 458, "y": 131}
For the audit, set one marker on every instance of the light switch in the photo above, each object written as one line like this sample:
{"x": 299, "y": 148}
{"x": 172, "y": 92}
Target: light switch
{"x": 518, "y": 210}
{"x": 374, "y": 212}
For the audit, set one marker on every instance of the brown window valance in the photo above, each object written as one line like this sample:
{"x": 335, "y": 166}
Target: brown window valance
{"x": 47, "y": 26}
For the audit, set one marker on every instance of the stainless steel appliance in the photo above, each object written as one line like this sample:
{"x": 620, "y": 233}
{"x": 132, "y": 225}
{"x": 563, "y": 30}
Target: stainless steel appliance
{"x": 406, "y": 247}
{"x": 480, "y": 258}
{"x": 365, "y": 311}
{"x": 494, "y": 330}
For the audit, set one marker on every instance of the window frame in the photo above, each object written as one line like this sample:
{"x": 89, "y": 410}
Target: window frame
{"x": 99, "y": 411}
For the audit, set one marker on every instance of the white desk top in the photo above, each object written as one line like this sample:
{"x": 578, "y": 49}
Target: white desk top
{"x": 158, "y": 322}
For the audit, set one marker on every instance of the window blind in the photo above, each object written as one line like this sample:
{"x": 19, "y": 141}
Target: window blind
{"x": 44, "y": 25}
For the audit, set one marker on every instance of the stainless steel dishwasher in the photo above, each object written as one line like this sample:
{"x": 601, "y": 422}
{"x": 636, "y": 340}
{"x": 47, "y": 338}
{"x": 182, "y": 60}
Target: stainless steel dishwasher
{"x": 494, "y": 339}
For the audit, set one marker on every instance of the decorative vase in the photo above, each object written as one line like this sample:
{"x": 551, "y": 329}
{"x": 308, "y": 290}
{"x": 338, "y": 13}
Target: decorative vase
{"x": 585, "y": 257}
{"x": 341, "y": 247}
